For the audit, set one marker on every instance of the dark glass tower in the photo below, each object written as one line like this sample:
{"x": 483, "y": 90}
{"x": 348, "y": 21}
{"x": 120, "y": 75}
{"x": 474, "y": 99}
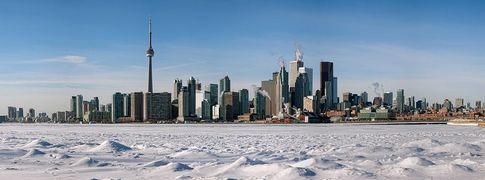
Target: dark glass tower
{"x": 326, "y": 74}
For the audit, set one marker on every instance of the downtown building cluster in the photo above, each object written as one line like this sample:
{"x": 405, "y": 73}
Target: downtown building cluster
{"x": 15, "y": 114}
{"x": 287, "y": 97}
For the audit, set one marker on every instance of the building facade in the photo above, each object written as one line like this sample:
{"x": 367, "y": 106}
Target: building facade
{"x": 157, "y": 106}
{"x": 136, "y": 106}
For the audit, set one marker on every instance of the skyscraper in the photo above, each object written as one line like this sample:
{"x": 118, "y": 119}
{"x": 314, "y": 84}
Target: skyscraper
{"x": 448, "y": 105}
{"x": 136, "y": 106}
{"x": 156, "y": 106}
{"x": 117, "y": 107}
{"x": 127, "y": 105}
{"x": 177, "y": 85}
{"x": 244, "y": 101}
{"x": 294, "y": 67}
{"x": 12, "y": 113}
{"x": 199, "y": 98}
{"x": 32, "y": 112}
{"x": 269, "y": 87}
{"x": 387, "y": 99}
{"x": 364, "y": 97}
{"x": 73, "y": 106}
{"x": 212, "y": 88}
{"x": 326, "y": 74}
{"x": 96, "y": 103}
{"x": 309, "y": 76}
{"x": 301, "y": 90}
{"x": 413, "y": 102}
{"x": 400, "y": 100}
{"x": 150, "y": 54}
{"x": 206, "y": 110}
{"x": 79, "y": 107}
{"x": 329, "y": 95}
{"x": 334, "y": 90}
{"x": 281, "y": 89}
{"x": 85, "y": 107}
{"x": 20, "y": 114}
{"x": 260, "y": 104}
{"x": 459, "y": 102}
{"x": 191, "y": 87}
{"x": 183, "y": 102}
{"x": 236, "y": 105}
{"x": 109, "y": 107}
{"x": 228, "y": 108}
{"x": 224, "y": 86}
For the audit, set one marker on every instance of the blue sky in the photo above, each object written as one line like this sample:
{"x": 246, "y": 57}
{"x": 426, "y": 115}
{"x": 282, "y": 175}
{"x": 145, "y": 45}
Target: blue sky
{"x": 50, "y": 50}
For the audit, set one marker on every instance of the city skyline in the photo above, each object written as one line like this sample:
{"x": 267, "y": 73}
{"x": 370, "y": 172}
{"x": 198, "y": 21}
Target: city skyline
{"x": 54, "y": 68}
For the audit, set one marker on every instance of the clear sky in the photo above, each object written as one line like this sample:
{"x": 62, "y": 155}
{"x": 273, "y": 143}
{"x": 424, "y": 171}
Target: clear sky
{"x": 53, "y": 49}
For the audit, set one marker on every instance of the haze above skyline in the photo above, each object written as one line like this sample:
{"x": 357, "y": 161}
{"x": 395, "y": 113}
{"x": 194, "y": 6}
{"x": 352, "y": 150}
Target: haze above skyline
{"x": 51, "y": 50}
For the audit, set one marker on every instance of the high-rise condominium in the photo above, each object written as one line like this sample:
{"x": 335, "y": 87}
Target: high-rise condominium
{"x": 117, "y": 106}
{"x": 79, "y": 107}
{"x": 73, "y": 106}
{"x": 136, "y": 106}
{"x": 400, "y": 100}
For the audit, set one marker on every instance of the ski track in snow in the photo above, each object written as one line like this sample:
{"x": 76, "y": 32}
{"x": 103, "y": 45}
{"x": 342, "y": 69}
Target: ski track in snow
{"x": 234, "y": 151}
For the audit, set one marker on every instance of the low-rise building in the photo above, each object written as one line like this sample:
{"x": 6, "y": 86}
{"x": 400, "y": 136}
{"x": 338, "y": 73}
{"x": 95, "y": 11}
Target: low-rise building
{"x": 375, "y": 114}
{"x": 97, "y": 117}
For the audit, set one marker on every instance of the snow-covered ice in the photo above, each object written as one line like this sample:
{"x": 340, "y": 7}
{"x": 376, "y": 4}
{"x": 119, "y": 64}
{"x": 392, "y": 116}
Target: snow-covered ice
{"x": 241, "y": 151}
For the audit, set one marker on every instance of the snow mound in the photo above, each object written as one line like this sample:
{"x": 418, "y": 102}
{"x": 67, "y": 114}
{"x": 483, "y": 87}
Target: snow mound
{"x": 38, "y": 143}
{"x": 412, "y": 162}
{"x": 369, "y": 163}
{"x": 193, "y": 154}
{"x": 399, "y": 172}
{"x": 294, "y": 173}
{"x": 156, "y": 163}
{"x": 319, "y": 163}
{"x": 110, "y": 146}
{"x": 85, "y": 162}
{"x": 243, "y": 161}
{"x": 174, "y": 167}
{"x": 239, "y": 163}
{"x": 34, "y": 152}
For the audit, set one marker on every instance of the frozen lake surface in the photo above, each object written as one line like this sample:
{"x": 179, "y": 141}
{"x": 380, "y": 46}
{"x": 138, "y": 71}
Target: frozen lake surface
{"x": 206, "y": 151}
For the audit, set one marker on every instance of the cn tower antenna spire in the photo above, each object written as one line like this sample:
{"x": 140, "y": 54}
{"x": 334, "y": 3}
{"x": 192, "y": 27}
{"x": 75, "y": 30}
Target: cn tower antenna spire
{"x": 150, "y": 31}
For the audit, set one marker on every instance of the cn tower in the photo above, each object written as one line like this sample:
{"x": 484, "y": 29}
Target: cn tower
{"x": 150, "y": 54}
